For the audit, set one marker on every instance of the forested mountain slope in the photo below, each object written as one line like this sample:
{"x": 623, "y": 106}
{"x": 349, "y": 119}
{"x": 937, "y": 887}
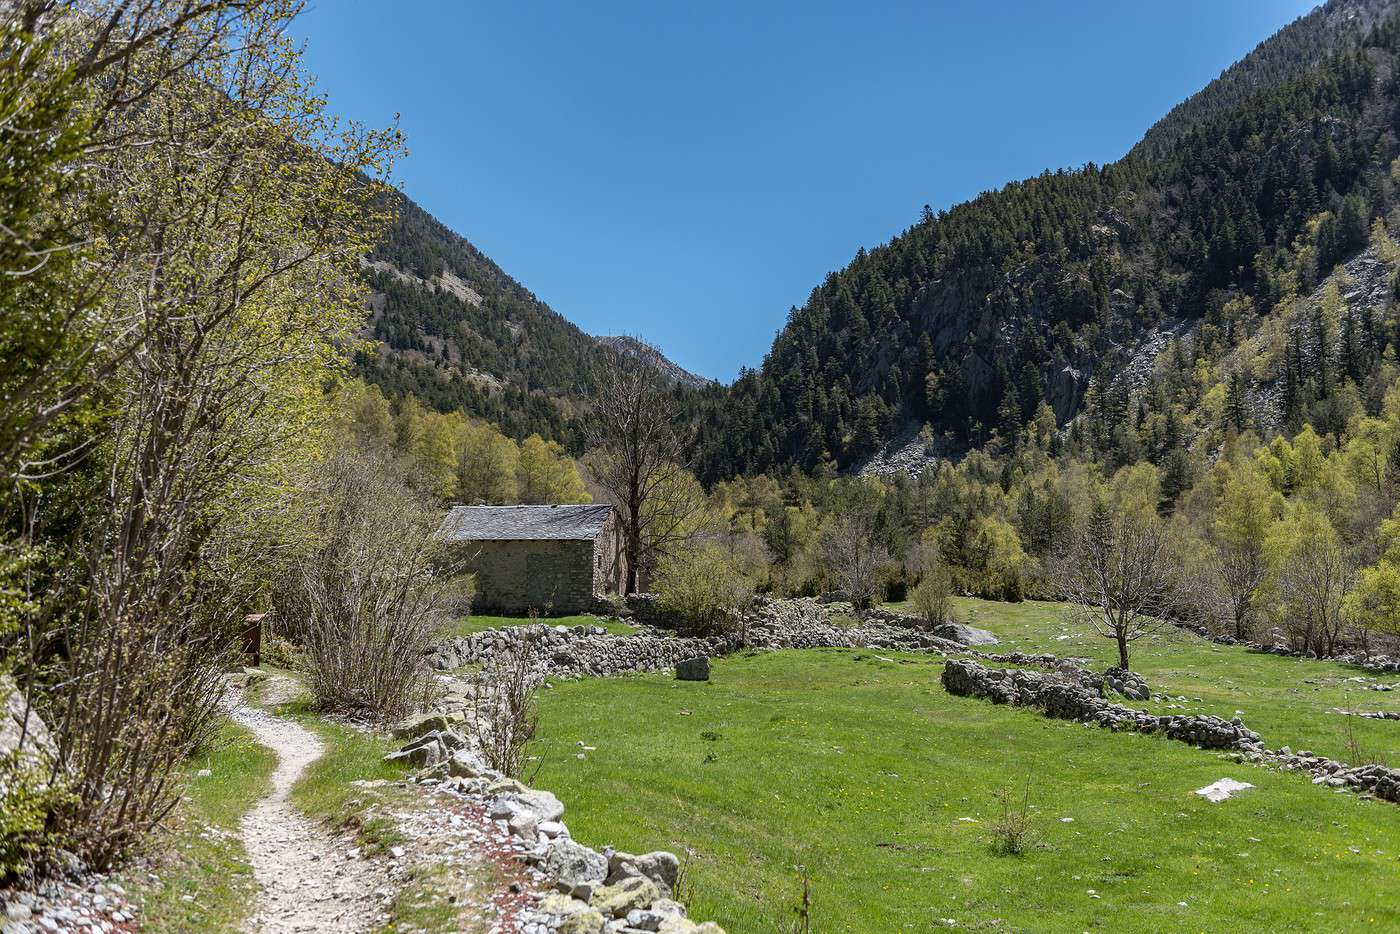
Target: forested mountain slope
{"x": 1029, "y": 302}
{"x": 1284, "y": 55}
{"x": 456, "y": 331}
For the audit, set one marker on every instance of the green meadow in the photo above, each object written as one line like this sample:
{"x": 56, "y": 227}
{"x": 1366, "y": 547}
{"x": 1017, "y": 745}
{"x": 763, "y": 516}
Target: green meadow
{"x": 856, "y": 770}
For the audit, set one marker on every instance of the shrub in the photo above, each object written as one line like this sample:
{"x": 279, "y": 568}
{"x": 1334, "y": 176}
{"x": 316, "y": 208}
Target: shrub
{"x": 931, "y": 596}
{"x": 368, "y": 595}
{"x": 1011, "y": 831}
{"x": 704, "y": 588}
{"x": 26, "y": 798}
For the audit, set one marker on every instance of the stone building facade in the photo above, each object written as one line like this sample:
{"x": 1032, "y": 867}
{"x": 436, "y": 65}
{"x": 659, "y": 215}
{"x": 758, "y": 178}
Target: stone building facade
{"x": 554, "y": 559}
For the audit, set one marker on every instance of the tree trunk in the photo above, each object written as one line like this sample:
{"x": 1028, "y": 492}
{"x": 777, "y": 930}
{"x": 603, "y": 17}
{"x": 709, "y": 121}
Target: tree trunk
{"x": 1122, "y": 650}
{"x": 1241, "y": 613}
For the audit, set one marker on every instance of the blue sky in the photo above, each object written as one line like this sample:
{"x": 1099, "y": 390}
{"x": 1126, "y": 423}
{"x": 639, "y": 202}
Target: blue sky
{"x": 688, "y": 171}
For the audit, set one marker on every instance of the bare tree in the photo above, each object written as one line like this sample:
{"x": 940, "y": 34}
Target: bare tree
{"x": 637, "y": 454}
{"x": 853, "y": 557}
{"x": 369, "y": 596}
{"x": 1238, "y": 570}
{"x": 1313, "y": 578}
{"x": 502, "y": 699}
{"x": 1120, "y": 574}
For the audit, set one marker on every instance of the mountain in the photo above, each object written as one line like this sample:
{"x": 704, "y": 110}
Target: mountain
{"x": 1053, "y": 297}
{"x": 452, "y": 328}
{"x": 645, "y": 352}
{"x": 1282, "y": 57}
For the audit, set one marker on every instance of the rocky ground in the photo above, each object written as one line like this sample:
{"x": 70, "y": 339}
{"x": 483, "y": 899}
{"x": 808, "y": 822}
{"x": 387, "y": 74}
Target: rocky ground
{"x": 309, "y": 880}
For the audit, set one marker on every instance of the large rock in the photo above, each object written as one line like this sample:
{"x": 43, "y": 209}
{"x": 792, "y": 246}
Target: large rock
{"x": 575, "y": 917}
{"x": 20, "y": 722}
{"x": 467, "y": 764}
{"x": 615, "y": 901}
{"x": 694, "y": 669}
{"x": 964, "y": 634}
{"x": 542, "y": 804}
{"x": 418, "y": 724}
{"x": 577, "y": 870}
{"x": 660, "y": 867}
{"x": 520, "y": 820}
{"x": 675, "y": 925}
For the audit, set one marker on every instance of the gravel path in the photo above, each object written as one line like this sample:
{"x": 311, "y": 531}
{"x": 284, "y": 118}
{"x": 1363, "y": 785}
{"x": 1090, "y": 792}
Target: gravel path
{"x": 309, "y": 880}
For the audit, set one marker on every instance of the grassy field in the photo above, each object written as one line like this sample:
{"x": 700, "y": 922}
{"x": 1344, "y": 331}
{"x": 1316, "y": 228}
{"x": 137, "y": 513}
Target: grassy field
{"x": 470, "y": 624}
{"x": 207, "y": 862}
{"x": 868, "y": 774}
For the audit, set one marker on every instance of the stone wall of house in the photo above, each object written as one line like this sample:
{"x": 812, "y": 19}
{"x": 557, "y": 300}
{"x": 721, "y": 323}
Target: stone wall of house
{"x": 552, "y": 576}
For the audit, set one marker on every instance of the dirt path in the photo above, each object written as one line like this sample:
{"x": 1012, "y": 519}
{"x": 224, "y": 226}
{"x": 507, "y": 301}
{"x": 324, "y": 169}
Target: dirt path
{"x": 308, "y": 879}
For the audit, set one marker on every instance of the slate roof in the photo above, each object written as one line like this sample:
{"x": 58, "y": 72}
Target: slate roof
{"x": 524, "y": 523}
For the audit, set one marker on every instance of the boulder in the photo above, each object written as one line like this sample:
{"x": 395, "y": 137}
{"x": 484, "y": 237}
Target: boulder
{"x": 20, "y": 720}
{"x": 542, "y": 804}
{"x": 520, "y": 820}
{"x": 694, "y": 669}
{"x": 964, "y": 634}
{"x": 660, "y": 867}
{"x": 615, "y": 901}
{"x": 467, "y": 764}
{"x": 577, "y": 870}
{"x": 575, "y": 917}
{"x": 424, "y": 752}
{"x": 685, "y": 926}
{"x": 418, "y": 724}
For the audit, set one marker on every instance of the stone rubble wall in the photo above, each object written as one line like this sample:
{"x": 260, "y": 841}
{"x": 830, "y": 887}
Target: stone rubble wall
{"x": 1372, "y": 779}
{"x": 1381, "y": 664}
{"x": 593, "y": 652}
{"x": 1070, "y": 699}
{"x": 594, "y": 892}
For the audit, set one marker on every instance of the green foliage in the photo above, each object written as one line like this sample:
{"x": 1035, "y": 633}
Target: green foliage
{"x": 1374, "y": 604}
{"x": 705, "y": 588}
{"x": 548, "y": 475}
{"x": 26, "y": 799}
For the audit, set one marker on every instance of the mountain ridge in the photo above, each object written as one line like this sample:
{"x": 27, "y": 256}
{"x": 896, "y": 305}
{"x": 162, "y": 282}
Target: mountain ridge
{"x": 974, "y": 317}
{"x": 455, "y": 330}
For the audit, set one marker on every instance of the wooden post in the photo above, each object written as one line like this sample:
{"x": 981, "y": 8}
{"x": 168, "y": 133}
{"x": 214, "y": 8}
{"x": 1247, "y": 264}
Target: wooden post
{"x": 252, "y": 637}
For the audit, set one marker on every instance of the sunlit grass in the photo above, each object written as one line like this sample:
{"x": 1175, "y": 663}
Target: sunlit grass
{"x": 864, "y": 771}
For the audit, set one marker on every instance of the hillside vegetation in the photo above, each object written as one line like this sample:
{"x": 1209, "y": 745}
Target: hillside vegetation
{"x": 1029, "y": 302}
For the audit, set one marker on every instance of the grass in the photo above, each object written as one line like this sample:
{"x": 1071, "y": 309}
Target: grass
{"x": 884, "y": 787}
{"x": 207, "y": 862}
{"x": 1287, "y": 701}
{"x": 325, "y": 792}
{"x": 467, "y": 625}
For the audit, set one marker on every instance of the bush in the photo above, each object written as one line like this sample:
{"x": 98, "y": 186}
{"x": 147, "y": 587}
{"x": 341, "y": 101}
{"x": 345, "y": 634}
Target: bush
{"x": 931, "y": 597}
{"x": 26, "y": 798}
{"x": 368, "y": 599}
{"x": 704, "y": 588}
{"x": 1011, "y": 831}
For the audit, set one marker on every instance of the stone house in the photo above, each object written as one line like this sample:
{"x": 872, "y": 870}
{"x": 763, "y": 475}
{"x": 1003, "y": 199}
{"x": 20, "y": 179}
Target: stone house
{"x": 554, "y": 559}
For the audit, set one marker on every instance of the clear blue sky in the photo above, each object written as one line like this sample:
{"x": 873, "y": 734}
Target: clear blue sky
{"x": 688, "y": 171}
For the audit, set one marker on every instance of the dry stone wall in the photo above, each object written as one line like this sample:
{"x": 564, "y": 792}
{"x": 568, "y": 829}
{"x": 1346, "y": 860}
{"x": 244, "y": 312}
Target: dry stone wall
{"x": 1071, "y": 699}
{"x": 1382, "y": 664}
{"x": 591, "y": 651}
